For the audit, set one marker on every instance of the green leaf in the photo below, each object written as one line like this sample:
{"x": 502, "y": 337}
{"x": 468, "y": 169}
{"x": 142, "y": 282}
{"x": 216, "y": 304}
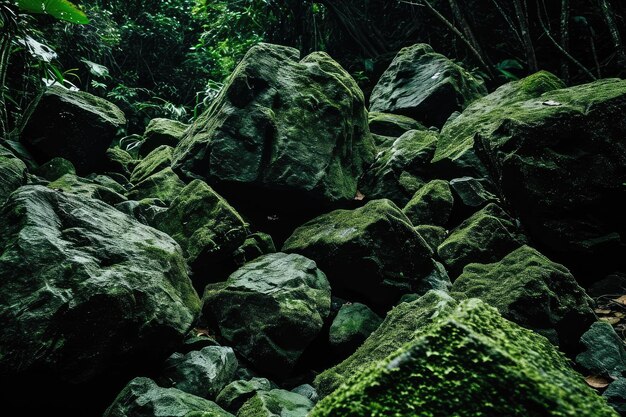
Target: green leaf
{"x": 60, "y": 9}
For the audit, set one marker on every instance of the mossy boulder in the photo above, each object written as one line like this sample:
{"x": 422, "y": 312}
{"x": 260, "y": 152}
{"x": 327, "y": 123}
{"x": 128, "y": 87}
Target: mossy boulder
{"x": 433, "y": 235}
{"x": 119, "y": 161}
{"x": 255, "y": 245}
{"x": 164, "y": 185}
{"x": 276, "y": 402}
{"x": 74, "y": 125}
{"x": 157, "y": 160}
{"x": 370, "y": 253}
{"x": 142, "y": 397}
{"x": 426, "y": 86}
{"x": 160, "y": 132}
{"x": 235, "y": 394}
{"x": 486, "y": 237}
{"x": 532, "y": 291}
{"x": 399, "y": 327}
{"x": 615, "y": 395}
{"x": 472, "y": 362}
{"x": 604, "y": 353}
{"x": 12, "y": 173}
{"x": 201, "y": 372}
{"x": 470, "y": 195}
{"x": 431, "y": 204}
{"x": 282, "y": 129}
{"x": 55, "y": 169}
{"x": 455, "y": 149}
{"x": 392, "y": 125}
{"x": 400, "y": 170}
{"x": 85, "y": 290}
{"x": 270, "y": 310}
{"x": 208, "y": 229}
{"x": 560, "y": 160}
{"x": 352, "y": 325}
{"x": 83, "y": 187}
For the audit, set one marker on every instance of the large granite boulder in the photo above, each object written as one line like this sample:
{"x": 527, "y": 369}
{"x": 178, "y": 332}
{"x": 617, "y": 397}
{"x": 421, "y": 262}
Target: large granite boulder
{"x": 470, "y": 363}
{"x": 400, "y": 170}
{"x": 201, "y": 372}
{"x": 399, "y": 327}
{"x": 371, "y": 253}
{"x": 455, "y": 150}
{"x": 208, "y": 229}
{"x": 143, "y": 398}
{"x": 282, "y": 128}
{"x": 270, "y": 310}
{"x": 74, "y": 125}
{"x": 426, "y": 86}
{"x": 12, "y": 173}
{"x": 486, "y": 237}
{"x": 532, "y": 291}
{"x": 85, "y": 290}
{"x": 560, "y": 160}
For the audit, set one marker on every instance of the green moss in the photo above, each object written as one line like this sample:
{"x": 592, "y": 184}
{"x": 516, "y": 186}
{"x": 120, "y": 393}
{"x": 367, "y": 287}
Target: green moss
{"x": 392, "y": 125}
{"x": 55, "y": 169}
{"x": 431, "y": 204}
{"x": 12, "y": 173}
{"x": 73, "y": 184}
{"x": 163, "y": 185}
{"x": 399, "y": 327}
{"x": 156, "y": 161}
{"x": 471, "y": 363}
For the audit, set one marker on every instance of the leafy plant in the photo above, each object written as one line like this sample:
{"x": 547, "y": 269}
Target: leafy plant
{"x": 60, "y": 9}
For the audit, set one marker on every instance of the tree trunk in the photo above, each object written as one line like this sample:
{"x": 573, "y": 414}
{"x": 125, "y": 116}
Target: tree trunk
{"x": 521, "y": 13}
{"x": 565, "y": 16}
{"x": 609, "y": 18}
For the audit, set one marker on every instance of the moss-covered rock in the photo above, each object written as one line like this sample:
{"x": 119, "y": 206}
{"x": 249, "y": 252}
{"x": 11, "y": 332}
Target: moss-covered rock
{"x": 398, "y": 328}
{"x": 431, "y": 204}
{"x": 370, "y": 253}
{"x": 433, "y": 235}
{"x": 157, "y": 160}
{"x": 208, "y": 229}
{"x": 470, "y": 363}
{"x": 352, "y": 325}
{"x": 392, "y": 125}
{"x": 486, "y": 237}
{"x": 426, "y": 86}
{"x": 165, "y": 186}
{"x": 235, "y": 394}
{"x": 532, "y": 291}
{"x": 455, "y": 149}
{"x": 143, "y": 398}
{"x": 72, "y": 184}
{"x": 604, "y": 353}
{"x": 55, "y": 169}
{"x": 295, "y": 129}
{"x": 161, "y": 132}
{"x": 255, "y": 245}
{"x": 270, "y": 310}
{"x": 119, "y": 161}
{"x": 202, "y": 372}
{"x": 85, "y": 290}
{"x": 470, "y": 195}
{"x": 560, "y": 160}
{"x": 399, "y": 171}
{"x": 12, "y": 173}
{"x": 615, "y": 395}
{"x": 74, "y": 125}
{"x": 276, "y": 402}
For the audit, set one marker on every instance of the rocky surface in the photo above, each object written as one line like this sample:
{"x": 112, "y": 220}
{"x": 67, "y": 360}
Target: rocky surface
{"x": 12, "y": 173}
{"x": 426, "y": 86}
{"x": 276, "y": 402}
{"x": 73, "y": 125}
{"x": 270, "y": 310}
{"x": 161, "y": 132}
{"x": 235, "y": 394}
{"x": 352, "y": 325}
{"x": 431, "y": 204}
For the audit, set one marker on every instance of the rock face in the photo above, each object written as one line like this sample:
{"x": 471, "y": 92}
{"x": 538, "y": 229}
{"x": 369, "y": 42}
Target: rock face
{"x": 398, "y": 328}
{"x": 83, "y": 187}
{"x": 370, "y": 253}
{"x": 12, "y": 173}
{"x": 560, "y": 159}
{"x": 353, "y": 324}
{"x": 276, "y": 402}
{"x": 208, "y": 229}
{"x": 603, "y": 353}
{"x": 165, "y": 186}
{"x": 392, "y": 125}
{"x": 399, "y": 171}
{"x": 161, "y": 132}
{"x": 157, "y": 160}
{"x": 426, "y": 86}
{"x": 472, "y": 353}
{"x": 293, "y": 128}
{"x": 455, "y": 149}
{"x": 84, "y": 289}
{"x": 143, "y": 398}
{"x": 235, "y": 394}
{"x": 532, "y": 291}
{"x": 73, "y": 125}
{"x": 270, "y": 310}
{"x": 202, "y": 372}
{"x": 431, "y": 204}
{"x": 485, "y": 237}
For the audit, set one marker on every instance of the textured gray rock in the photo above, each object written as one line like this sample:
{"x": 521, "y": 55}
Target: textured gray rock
{"x": 12, "y": 173}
